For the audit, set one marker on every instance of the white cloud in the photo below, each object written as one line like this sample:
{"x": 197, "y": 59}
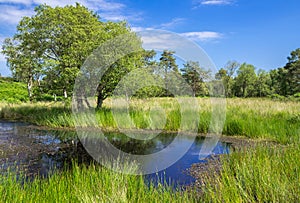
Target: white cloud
{"x": 160, "y": 41}
{"x": 140, "y": 29}
{"x": 172, "y": 23}
{"x": 213, "y": 2}
{"x": 163, "y": 26}
{"x": 23, "y": 2}
{"x": 92, "y": 4}
{"x": 119, "y": 16}
{"x": 11, "y": 11}
{"x": 202, "y": 36}
{"x": 184, "y": 48}
{"x": 12, "y": 14}
{"x": 2, "y": 57}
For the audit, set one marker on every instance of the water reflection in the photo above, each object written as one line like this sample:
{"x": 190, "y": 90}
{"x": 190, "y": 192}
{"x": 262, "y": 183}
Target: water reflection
{"x": 34, "y": 151}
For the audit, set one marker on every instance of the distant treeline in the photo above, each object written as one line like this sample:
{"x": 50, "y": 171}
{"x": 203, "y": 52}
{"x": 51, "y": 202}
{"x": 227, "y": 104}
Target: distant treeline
{"x": 244, "y": 81}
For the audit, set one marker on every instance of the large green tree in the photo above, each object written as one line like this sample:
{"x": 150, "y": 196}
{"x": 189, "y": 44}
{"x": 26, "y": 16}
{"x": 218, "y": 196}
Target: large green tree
{"x": 55, "y": 42}
{"x": 118, "y": 70}
{"x": 23, "y": 62}
{"x": 168, "y": 70}
{"x": 195, "y": 76}
{"x": 245, "y": 81}
{"x": 263, "y": 84}
{"x": 293, "y": 73}
{"x": 279, "y": 84}
{"x": 226, "y": 75}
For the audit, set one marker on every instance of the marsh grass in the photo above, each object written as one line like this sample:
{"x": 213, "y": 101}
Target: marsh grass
{"x": 253, "y": 118}
{"x": 88, "y": 184}
{"x": 262, "y": 174}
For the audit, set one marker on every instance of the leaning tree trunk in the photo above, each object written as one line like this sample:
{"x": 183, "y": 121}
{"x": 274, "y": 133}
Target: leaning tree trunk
{"x": 100, "y": 99}
{"x": 100, "y": 96}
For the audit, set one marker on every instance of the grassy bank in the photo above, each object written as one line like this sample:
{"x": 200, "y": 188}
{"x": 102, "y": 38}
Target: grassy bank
{"x": 263, "y": 174}
{"x": 253, "y": 118}
{"x": 88, "y": 184}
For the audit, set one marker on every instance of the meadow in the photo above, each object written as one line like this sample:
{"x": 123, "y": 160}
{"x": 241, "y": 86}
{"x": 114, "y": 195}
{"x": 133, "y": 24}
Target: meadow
{"x": 253, "y": 118}
{"x": 264, "y": 173}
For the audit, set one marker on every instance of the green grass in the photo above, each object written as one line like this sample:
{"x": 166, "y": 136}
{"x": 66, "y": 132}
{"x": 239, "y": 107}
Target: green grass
{"x": 88, "y": 184}
{"x": 252, "y": 118}
{"x": 263, "y": 174}
{"x": 12, "y": 92}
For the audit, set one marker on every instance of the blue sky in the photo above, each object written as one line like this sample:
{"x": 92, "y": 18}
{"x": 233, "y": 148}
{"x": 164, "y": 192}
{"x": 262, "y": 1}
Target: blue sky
{"x": 259, "y": 32}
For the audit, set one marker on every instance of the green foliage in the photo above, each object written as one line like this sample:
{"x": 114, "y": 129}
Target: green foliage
{"x": 245, "y": 80}
{"x": 226, "y": 76}
{"x": 292, "y": 76}
{"x": 49, "y": 48}
{"x": 263, "y": 84}
{"x": 12, "y": 92}
{"x": 195, "y": 76}
{"x": 297, "y": 95}
{"x": 168, "y": 70}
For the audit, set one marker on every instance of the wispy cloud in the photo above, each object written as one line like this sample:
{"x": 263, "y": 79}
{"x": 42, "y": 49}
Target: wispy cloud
{"x": 202, "y": 36}
{"x": 13, "y": 14}
{"x": 11, "y": 11}
{"x": 119, "y": 16}
{"x": 2, "y": 57}
{"x": 23, "y": 2}
{"x": 216, "y": 2}
{"x": 139, "y": 29}
{"x": 92, "y": 4}
{"x": 172, "y": 23}
{"x": 198, "y": 3}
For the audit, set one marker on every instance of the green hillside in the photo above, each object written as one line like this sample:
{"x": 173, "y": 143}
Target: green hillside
{"x": 11, "y": 91}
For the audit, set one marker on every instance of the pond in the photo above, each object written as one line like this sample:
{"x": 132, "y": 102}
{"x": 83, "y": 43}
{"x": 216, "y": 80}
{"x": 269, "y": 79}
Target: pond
{"x": 32, "y": 151}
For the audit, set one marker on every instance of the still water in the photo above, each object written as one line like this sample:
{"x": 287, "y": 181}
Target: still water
{"x": 32, "y": 151}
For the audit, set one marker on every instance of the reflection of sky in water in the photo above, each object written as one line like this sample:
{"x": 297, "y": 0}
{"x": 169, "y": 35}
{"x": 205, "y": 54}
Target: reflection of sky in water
{"x": 47, "y": 139}
{"x": 6, "y": 127}
{"x": 174, "y": 173}
{"x": 10, "y": 126}
{"x": 51, "y": 140}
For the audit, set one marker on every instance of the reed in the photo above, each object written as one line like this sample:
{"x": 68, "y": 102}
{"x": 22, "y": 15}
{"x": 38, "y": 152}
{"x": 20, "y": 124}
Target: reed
{"x": 253, "y": 118}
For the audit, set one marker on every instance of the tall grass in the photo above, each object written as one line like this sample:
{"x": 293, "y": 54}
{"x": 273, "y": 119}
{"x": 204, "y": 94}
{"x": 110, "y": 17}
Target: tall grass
{"x": 263, "y": 174}
{"x": 253, "y": 118}
{"x": 88, "y": 184}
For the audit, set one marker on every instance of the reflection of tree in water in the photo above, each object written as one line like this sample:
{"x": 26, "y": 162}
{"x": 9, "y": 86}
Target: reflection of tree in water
{"x": 142, "y": 147}
{"x": 199, "y": 140}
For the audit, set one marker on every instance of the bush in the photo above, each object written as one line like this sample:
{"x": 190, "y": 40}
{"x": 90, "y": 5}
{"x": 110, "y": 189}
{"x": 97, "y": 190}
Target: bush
{"x": 277, "y": 97}
{"x": 12, "y": 92}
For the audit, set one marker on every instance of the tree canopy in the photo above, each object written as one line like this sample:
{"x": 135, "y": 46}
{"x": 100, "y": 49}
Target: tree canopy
{"x": 53, "y": 44}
